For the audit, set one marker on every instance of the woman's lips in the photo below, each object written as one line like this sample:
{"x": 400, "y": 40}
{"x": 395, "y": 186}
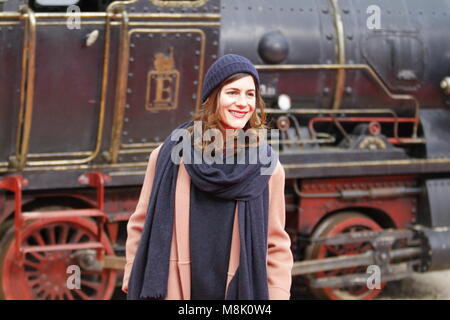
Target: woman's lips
{"x": 238, "y": 114}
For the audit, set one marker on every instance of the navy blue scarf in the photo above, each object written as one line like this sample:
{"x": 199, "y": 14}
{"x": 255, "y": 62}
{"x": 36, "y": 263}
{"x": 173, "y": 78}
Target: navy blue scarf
{"x": 212, "y": 186}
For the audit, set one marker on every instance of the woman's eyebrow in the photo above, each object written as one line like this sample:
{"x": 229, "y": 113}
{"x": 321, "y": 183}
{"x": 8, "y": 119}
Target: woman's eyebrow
{"x": 240, "y": 89}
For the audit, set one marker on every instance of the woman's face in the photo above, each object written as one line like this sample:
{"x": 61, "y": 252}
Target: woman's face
{"x": 237, "y": 102}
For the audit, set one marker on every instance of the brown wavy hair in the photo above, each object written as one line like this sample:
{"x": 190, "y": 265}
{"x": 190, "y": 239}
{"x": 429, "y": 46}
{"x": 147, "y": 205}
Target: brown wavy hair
{"x": 208, "y": 113}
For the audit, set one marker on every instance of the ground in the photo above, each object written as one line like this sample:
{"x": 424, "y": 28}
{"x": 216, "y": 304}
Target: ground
{"x": 422, "y": 286}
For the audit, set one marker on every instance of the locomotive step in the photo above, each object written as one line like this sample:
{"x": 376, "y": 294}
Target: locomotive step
{"x": 76, "y": 213}
{"x": 61, "y": 247}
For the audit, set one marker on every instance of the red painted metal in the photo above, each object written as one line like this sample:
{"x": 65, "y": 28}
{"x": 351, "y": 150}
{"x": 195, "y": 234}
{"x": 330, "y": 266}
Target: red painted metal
{"x": 15, "y": 184}
{"x": 43, "y": 274}
{"x": 94, "y": 179}
{"x": 113, "y": 231}
{"x": 62, "y": 247}
{"x": 80, "y": 213}
{"x": 98, "y": 181}
{"x": 401, "y": 211}
{"x": 374, "y": 128}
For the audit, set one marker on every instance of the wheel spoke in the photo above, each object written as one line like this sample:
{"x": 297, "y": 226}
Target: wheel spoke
{"x": 37, "y": 256}
{"x": 83, "y": 295}
{"x": 69, "y": 294}
{"x": 90, "y": 284}
{"x": 51, "y": 234}
{"x": 38, "y": 237}
{"x": 32, "y": 264}
{"x": 63, "y": 234}
{"x": 76, "y": 237}
{"x": 32, "y": 282}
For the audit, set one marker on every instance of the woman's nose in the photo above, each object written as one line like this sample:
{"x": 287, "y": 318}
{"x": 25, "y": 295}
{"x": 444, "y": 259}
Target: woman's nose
{"x": 241, "y": 101}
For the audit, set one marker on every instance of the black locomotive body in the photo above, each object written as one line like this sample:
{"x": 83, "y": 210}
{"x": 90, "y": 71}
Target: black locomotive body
{"x": 358, "y": 89}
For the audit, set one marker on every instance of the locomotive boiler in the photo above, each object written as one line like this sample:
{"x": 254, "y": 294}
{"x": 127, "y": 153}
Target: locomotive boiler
{"x": 359, "y": 91}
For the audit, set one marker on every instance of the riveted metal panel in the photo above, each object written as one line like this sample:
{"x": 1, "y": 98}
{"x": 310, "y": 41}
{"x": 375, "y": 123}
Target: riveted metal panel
{"x": 11, "y": 38}
{"x": 308, "y": 27}
{"x": 434, "y": 208}
{"x": 67, "y": 90}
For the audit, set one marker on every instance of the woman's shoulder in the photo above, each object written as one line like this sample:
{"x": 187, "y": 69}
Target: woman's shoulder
{"x": 278, "y": 172}
{"x": 154, "y": 154}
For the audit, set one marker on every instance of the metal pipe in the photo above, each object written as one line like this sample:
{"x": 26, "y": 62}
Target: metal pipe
{"x": 363, "y": 259}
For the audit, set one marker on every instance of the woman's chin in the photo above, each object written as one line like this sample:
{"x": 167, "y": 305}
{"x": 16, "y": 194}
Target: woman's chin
{"x": 234, "y": 125}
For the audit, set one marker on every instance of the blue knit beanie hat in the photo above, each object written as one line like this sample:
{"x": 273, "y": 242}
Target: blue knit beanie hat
{"x": 224, "y": 68}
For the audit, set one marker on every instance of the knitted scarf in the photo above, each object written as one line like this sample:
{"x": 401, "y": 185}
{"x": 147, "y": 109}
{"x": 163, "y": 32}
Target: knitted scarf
{"x": 218, "y": 187}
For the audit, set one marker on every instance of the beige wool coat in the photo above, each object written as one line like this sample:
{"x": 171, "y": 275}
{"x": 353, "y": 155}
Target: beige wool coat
{"x": 279, "y": 255}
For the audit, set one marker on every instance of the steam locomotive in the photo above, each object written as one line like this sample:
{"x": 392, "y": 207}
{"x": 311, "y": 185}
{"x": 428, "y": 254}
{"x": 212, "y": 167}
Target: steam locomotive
{"x": 359, "y": 89}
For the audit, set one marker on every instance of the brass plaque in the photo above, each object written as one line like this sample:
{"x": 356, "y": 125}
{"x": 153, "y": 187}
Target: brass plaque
{"x": 163, "y": 83}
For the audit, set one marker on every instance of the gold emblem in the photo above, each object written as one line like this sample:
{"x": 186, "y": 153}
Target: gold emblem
{"x": 163, "y": 83}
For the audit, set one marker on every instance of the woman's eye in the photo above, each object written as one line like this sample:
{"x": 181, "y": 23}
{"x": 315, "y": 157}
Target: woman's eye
{"x": 233, "y": 92}
{"x": 251, "y": 94}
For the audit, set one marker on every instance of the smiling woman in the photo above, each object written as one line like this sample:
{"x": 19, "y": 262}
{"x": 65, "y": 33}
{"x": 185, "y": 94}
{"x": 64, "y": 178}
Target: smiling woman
{"x": 212, "y": 230}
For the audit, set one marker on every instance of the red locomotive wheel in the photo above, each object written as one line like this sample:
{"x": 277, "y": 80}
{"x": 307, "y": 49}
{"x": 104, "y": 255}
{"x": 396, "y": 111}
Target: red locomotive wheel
{"x": 333, "y": 226}
{"x": 44, "y": 275}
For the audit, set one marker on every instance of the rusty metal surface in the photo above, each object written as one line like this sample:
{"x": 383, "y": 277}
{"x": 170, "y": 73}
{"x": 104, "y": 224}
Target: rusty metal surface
{"x": 11, "y": 38}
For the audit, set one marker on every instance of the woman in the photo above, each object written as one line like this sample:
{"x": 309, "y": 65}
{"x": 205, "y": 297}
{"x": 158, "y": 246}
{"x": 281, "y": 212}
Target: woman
{"x": 212, "y": 231}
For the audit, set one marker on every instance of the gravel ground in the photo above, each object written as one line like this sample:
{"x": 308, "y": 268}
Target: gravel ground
{"x": 422, "y": 286}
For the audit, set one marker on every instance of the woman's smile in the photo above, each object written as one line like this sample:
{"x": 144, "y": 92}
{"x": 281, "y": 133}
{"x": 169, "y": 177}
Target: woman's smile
{"x": 238, "y": 114}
